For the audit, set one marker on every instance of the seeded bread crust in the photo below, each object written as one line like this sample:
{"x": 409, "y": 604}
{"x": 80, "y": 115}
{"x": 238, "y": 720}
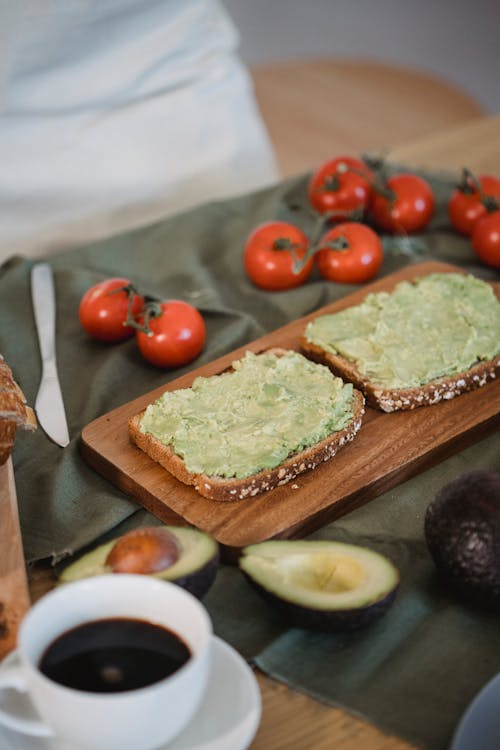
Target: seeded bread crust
{"x": 224, "y": 490}
{"x": 406, "y": 398}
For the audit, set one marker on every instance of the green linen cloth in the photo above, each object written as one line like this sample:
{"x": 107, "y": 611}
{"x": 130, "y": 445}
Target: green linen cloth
{"x": 414, "y": 671}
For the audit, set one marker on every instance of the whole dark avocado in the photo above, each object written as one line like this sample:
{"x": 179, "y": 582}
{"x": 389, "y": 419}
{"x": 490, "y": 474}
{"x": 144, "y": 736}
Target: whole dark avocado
{"x": 462, "y": 531}
{"x": 185, "y": 556}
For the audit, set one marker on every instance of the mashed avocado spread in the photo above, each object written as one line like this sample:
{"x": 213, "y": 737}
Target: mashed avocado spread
{"x": 240, "y": 422}
{"x": 436, "y": 326}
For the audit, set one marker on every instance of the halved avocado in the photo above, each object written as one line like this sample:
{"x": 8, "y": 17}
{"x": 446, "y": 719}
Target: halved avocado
{"x": 322, "y": 585}
{"x": 462, "y": 531}
{"x": 190, "y": 557}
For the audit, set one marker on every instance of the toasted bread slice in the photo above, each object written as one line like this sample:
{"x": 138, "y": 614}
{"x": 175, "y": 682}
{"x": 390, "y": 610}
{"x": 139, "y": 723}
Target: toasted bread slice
{"x": 230, "y": 489}
{"x": 404, "y": 398}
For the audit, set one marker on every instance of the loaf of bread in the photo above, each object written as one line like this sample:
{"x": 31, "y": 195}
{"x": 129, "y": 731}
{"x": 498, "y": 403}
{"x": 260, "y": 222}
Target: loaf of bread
{"x": 231, "y": 436}
{"x": 14, "y": 412}
{"x": 428, "y": 340}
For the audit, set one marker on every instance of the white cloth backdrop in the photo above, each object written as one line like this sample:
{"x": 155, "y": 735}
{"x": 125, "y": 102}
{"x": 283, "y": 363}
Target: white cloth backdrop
{"x": 114, "y": 113}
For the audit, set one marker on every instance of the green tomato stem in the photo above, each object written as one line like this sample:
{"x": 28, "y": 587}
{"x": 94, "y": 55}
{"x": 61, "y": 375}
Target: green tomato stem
{"x": 470, "y": 184}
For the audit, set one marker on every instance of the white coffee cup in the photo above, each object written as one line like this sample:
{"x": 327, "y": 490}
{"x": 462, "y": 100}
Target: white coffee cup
{"x": 138, "y": 719}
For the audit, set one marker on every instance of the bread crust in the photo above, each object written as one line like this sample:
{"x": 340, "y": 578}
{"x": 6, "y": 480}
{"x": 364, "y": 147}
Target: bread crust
{"x": 390, "y": 400}
{"x": 232, "y": 489}
{"x": 14, "y": 412}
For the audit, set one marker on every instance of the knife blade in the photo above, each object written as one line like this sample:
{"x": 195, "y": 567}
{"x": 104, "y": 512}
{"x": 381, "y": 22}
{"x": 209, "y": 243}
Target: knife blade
{"x": 49, "y": 405}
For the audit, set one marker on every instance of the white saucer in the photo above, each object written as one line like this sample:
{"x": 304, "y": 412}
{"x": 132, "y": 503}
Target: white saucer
{"x": 226, "y": 720}
{"x": 480, "y": 724}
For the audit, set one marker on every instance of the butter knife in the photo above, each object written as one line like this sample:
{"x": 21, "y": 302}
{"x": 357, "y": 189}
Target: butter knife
{"x": 49, "y": 405}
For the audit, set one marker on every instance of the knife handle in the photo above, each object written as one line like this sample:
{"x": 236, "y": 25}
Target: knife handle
{"x": 44, "y": 309}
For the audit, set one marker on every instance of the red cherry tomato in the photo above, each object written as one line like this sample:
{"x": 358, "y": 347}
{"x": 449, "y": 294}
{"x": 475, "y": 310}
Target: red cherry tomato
{"x": 408, "y": 208}
{"x": 341, "y": 186}
{"x": 486, "y": 239}
{"x": 270, "y": 252}
{"x": 103, "y": 310}
{"x": 177, "y": 335}
{"x": 471, "y": 200}
{"x": 355, "y": 257}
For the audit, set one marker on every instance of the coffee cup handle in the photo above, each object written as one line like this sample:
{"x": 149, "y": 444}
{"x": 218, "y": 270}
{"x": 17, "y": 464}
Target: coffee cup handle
{"x": 12, "y": 678}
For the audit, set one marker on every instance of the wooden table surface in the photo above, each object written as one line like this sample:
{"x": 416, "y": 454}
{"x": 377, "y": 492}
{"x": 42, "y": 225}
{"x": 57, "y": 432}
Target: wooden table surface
{"x": 318, "y": 108}
{"x": 290, "y": 720}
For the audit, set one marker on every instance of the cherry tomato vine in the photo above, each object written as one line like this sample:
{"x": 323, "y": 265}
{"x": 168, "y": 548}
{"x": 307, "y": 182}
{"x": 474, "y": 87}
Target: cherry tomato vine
{"x": 352, "y": 201}
{"x": 473, "y": 198}
{"x": 474, "y": 211}
{"x": 168, "y": 333}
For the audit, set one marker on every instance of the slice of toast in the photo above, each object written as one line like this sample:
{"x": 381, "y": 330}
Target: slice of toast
{"x": 230, "y": 489}
{"x": 399, "y": 399}
{"x": 404, "y": 398}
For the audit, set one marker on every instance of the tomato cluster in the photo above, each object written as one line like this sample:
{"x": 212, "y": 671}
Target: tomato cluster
{"x": 354, "y": 201}
{"x": 344, "y": 191}
{"x": 168, "y": 333}
{"x": 345, "y": 186}
{"x": 474, "y": 211}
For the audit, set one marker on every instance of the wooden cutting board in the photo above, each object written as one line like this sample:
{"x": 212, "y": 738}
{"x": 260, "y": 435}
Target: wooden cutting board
{"x": 389, "y": 449}
{"x": 14, "y": 595}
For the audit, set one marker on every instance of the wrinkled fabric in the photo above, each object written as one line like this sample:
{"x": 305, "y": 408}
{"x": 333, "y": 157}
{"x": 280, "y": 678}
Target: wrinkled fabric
{"x": 415, "y": 670}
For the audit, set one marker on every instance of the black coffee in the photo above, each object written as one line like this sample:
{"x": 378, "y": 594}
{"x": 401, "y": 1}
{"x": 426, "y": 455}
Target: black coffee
{"x": 113, "y": 655}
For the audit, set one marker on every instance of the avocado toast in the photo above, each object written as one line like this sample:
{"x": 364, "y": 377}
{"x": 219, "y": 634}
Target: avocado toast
{"x": 269, "y": 418}
{"x": 427, "y": 340}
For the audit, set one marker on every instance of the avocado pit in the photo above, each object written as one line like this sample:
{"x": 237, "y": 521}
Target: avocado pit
{"x": 143, "y": 551}
{"x": 183, "y": 555}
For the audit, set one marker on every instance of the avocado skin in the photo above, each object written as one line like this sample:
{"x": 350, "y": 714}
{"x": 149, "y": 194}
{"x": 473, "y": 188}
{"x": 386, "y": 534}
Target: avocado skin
{"x": 462, "y": 531}
{"x": 325, "y": 621}
{"x": 200, "y": 581}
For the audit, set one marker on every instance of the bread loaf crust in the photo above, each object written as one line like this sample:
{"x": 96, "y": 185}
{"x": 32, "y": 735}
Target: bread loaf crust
{"x": 390, "y": 400}
{"x": 14, "y": 412}
{"x": 232, "y": 489}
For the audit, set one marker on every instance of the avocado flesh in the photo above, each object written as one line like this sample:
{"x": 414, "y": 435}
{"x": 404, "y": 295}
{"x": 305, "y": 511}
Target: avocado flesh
{"x": 436, "y": 326}
{"x": 250, "y": 419}
{"x": 320, "y": 584}
{"x": 195, "y": 570}
{"x": 462, "y": 531}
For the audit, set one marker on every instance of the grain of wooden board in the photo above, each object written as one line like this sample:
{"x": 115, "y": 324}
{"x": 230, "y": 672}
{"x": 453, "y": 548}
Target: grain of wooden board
{"x": 389, "y": 449}
{"x": 14, "y": 595}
